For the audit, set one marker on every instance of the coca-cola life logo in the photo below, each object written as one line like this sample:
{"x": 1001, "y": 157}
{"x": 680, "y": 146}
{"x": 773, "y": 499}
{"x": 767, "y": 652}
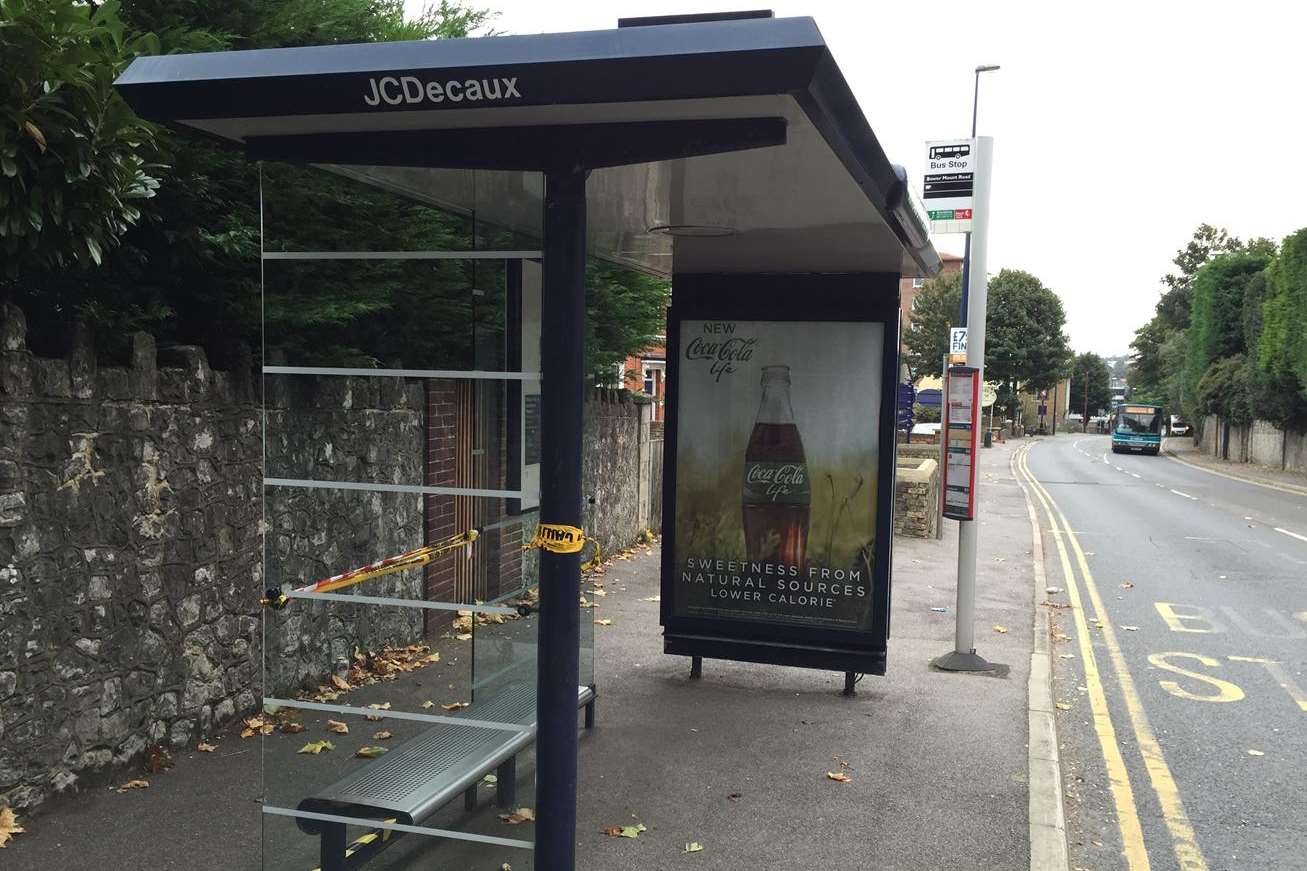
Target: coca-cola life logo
{"x": 721, "y": 347}
{"x": 785, "y": 483}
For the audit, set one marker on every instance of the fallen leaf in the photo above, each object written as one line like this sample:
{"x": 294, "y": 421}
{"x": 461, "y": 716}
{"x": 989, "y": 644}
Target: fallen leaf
{"x": 599, "y": 592}
{"x": 604, "y": 621}
{"x": 381, "y": 736}
{"x": 839, "y": 776}
{"x": 206, "y": 747}
{"x": 454, "y": 706}
{"x": 1125, "y": 585}
{"x": 612, "y": 831}
{"x": 506, "y": 867}
{"x": 490, "y": 779}
{"x": 463, "y": 636}
{"x": 313, "y": 748}
{"x": 370, "y": 752}
{"x": 1256, "y": 753}
{"x": 340, "y": 683}
{"x": 338, "y": 727}
{"x": 133, "y": 784}
{"x": 8, "y": 826}
{"x": 693, "y": 847}
{"x": 633, "y": 831}
{"x": 1063, "y": 706}
{"x": 428, "y": 704}
{"x": 381, "y": 707}
{"x": 292, "y": 728}
{"x": 1001, "y": 630}
{"x": 435, "y": 657}
{"x": 519, "y": 816}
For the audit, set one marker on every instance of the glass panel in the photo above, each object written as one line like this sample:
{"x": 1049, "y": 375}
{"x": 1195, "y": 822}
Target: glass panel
{"x": 375, "y": 480}
{"x": 396, "y": 314}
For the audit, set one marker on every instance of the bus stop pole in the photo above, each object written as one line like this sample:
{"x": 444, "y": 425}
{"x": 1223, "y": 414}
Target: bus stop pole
{"x": 964, "y": 656}
{"x": 562, "y": 355}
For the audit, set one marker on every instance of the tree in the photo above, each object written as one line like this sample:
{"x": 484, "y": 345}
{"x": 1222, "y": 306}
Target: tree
{"x": 1024, "y": 342}
{"x": 75, "y": 161}
{"x": 1278, "y": 338}
{"x": 190, "y": 273}
{"x": 1090, "y": 370}
{"x": 1217, "y": 332}
{"x": 1155, "y": 376}
{"x": 626, "y": 311}
{"x": 935, "y": 310}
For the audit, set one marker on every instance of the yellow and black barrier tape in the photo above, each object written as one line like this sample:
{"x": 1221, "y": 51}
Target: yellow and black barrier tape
{"x": 561, "y": 538}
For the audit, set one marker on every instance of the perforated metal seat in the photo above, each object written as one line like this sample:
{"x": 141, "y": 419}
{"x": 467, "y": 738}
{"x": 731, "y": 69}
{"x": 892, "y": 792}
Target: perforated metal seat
{"x": 425, "y": 773}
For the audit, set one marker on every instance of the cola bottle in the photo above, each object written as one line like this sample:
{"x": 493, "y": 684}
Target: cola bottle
{"x": 776, "y": 487}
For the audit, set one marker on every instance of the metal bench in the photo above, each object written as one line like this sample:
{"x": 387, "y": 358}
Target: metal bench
{"x": 427, "y": 772}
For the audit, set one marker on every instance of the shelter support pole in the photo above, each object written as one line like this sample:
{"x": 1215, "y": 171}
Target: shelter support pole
{"x": 562, "y": 355}
{"x": 964, "y": 656}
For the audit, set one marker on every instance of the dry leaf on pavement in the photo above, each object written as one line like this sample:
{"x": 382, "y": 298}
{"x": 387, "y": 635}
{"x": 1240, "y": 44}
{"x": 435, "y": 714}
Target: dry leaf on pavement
{"x": 338, "y": 727}
{"x": 8, "y": 827}
{"x": 381, "y": 736}
{"x": 838, "y": 776}
{"x": 1125, "y": 585}
{"x": 454, "y": 706}
{"x": 1001, "y": 630}
{"x": 133, "y": 784}
{"x": 370, "y": 752}
{"x": 206, "y": 747}
{"x": 313, "y": 748}
{"x": 290, "y": 727}
{"x": 693, "y": 847}
{"x": 340, "y": 683}
{"x": 604, "y": 622}
{"x": 519, "y": 816}
{"x": 1063, "y": 706}
{"x": 1256, "y": 753}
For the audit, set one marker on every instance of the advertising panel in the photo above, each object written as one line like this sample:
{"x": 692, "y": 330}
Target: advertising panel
{"x": 778, "y": 477}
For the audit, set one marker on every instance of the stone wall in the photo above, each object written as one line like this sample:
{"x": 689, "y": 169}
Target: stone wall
{"x": 1262, "y": 443}
{"x": 617, "y": 470}
{"x": 131, "y": 534}
{"x": 129, "y": 543}
{"x": 916, "y": 497}
{"x": 369, "y": 430}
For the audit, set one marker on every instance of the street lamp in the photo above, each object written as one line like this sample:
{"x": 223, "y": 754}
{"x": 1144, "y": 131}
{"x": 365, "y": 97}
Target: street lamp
{"x": 966, "y": 252}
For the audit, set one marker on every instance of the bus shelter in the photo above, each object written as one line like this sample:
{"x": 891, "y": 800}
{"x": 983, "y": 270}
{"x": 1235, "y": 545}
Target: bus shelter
{"x": 423, "y": 427}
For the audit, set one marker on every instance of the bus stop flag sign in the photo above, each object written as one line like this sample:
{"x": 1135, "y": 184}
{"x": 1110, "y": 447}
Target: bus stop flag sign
{"x": 949, "y": 184}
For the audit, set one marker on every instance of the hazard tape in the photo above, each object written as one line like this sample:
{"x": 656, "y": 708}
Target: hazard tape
{"x": 388, "y": 566}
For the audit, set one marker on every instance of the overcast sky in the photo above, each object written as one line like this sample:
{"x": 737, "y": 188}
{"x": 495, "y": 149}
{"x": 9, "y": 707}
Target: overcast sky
{"x": 1119, "y": 127}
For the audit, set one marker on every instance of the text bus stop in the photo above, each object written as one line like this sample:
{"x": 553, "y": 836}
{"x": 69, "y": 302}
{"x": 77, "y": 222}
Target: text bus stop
{"x": 729, "y": 155}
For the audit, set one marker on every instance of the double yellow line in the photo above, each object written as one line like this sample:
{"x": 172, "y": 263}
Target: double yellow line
{"x": 1183, "y": 842}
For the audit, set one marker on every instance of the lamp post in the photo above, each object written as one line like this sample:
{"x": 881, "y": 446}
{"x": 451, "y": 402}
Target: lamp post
{"x": 966, "y": 250}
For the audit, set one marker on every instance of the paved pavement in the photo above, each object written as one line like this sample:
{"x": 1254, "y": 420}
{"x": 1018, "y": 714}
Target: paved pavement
{"x": 1182, "y": 661}
{"x": 1184, "y": 450}
{"x": 736, "y": 762}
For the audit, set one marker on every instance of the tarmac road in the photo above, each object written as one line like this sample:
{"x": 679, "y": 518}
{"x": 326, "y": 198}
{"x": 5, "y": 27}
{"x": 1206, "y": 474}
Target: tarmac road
{"x": 1184, "y": 730}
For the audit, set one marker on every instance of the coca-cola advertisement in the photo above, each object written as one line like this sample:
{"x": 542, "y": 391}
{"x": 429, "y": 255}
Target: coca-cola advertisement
{"x": 776, "y": 471}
